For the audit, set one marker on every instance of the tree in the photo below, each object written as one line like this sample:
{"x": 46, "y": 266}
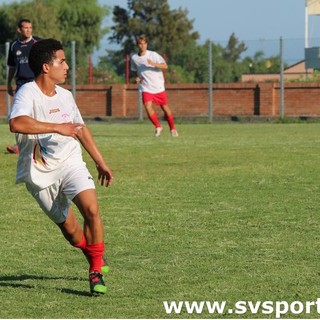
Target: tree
{"x": 260, "y": 64}
{"x": 194, "y": 60}
{"x": 190, "y": 65}
{"x": 63, "y": 20}
{"x": 81, "y": 23}
{"x": 168, "y": 30}
{"x": 234, "y": 49}
{"x": 232, "y": 54}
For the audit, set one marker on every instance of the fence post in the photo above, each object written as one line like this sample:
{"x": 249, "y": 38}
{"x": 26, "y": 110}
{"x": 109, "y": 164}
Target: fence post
{"x": 8, "y": 98}
{"x": 127, "y": 69}
{"x": 73, "y": 68}
{"x": 210, "y": 112}
{"x": 140, "y": 104}
{"x": 90, "y": 67}
{"x": 281, "y": 80}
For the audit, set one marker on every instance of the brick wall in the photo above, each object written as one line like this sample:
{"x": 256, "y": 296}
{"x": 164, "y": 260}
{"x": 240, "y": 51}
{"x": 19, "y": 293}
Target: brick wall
{"x": 242, "y": 99}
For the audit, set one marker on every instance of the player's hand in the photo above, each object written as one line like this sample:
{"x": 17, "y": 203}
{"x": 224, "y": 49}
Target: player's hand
{"x": 105, "y": 177}
{"x": 138, "y": 80}
{"x": 10, "y": 90}
{"x": 70, "y": 129}
{"x": 151, "y": 63}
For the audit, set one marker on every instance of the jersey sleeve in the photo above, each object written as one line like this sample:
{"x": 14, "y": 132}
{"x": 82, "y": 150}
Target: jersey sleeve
{"x": 157, "y": 58}
{"x": 78, "y": 118}
{"x": 22, "y": 104}
{"x": 11, "y": 61}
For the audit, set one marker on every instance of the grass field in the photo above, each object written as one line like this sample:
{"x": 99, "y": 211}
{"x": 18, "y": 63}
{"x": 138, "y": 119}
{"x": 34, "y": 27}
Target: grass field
{"x": 225, "y": 212}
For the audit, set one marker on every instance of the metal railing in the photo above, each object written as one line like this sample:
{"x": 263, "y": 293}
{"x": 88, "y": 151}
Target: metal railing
{"x": 289, "y": 52}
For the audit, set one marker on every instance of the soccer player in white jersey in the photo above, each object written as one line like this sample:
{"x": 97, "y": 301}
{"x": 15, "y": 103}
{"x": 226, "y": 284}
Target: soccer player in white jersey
{"x": 49, "y": 132}
{"x": 149, "y": 66}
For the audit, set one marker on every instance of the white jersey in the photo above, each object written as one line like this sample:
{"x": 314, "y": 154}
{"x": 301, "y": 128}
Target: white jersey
{"x": 42, "y": 157}
{"x": 152, "y": 77}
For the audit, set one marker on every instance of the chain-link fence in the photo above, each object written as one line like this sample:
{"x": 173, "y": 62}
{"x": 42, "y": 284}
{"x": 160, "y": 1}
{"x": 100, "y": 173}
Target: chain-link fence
{"x": 261, "y": 57}
{"x": 211, "y": 63}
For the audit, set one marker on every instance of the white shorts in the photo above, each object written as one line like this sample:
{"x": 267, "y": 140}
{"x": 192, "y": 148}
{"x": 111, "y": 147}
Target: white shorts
{"x": 55, "y": 200}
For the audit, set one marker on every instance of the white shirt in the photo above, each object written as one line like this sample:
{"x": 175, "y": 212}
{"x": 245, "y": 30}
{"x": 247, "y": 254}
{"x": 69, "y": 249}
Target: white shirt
{"x": 152, "y": 77}
{"x": 42, "y": 157}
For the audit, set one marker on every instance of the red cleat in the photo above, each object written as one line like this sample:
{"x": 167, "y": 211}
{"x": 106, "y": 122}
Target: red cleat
{"x": 13, "y": 149}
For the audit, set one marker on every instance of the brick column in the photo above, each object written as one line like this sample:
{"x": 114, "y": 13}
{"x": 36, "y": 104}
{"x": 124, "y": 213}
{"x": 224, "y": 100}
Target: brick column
{"x": 267, "y": 99}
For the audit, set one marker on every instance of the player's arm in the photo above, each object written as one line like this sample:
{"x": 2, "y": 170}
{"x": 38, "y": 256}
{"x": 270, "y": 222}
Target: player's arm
{"x": 28, "y": 125}
{"x": 162, "y": 66}
{"x": 11, "y": 72}
{"x": 87, "y": 141}
{"x": 134, "y": 73}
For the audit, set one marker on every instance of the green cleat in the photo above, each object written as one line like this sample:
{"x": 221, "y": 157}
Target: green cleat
{"x": 104, "y": 267}
{"x": 97, "y": 284}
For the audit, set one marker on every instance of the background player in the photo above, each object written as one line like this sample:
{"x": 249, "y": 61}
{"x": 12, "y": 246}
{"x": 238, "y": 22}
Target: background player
{"x": 149, "y": 66}
{"x": 18, "y": 62}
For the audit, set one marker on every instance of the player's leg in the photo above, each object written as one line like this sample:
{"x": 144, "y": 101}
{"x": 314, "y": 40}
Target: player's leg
{"x": 71, "y": 229}
{"x": 73, "y": 232}
{"x": 147, "y": 99}
{"x": 170, "y": 119}
{"x": 87, "y": 203}
{"x": 57, "y": 207}
{"x": 79, "y": 186}
{"x": 153, "y": 117}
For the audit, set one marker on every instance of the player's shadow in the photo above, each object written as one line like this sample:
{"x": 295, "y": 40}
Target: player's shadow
{"x": 16, "y": 281}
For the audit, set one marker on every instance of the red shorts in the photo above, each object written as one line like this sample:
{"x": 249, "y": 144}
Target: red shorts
{"x": 158, "y": 98}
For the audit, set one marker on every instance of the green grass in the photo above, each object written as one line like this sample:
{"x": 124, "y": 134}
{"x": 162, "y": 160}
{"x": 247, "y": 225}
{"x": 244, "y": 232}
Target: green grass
{"x": 223, "y": 212}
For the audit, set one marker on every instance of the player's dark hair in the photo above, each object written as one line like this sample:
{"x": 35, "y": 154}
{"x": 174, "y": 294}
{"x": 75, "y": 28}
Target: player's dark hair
{"x": 43, "y": 51}
{"x": 21, "y": 21}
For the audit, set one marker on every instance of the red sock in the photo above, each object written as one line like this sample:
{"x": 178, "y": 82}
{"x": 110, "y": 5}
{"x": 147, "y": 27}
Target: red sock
{"x": 170, "y": 120}
{"x": 82, "y": 244}
{"x": 154, "y": 119}
{"x": 95, "y": 253}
